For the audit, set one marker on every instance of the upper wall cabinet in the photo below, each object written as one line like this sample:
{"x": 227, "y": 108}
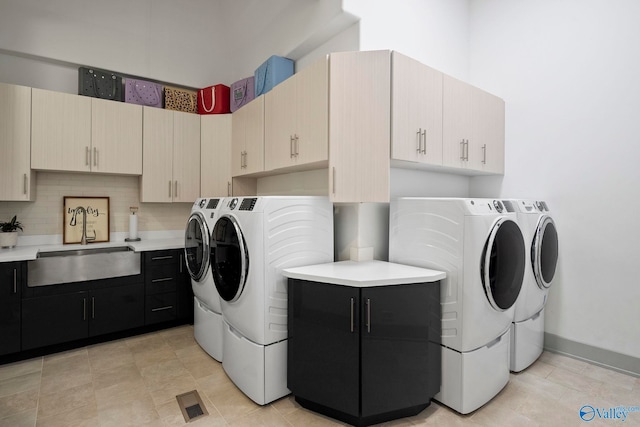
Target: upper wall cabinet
{"x": 215, "y": 155}
{"x": 247, "y": 144}
{"x": 416, "y": 111}
{"x": 296, "y": 120}
{"x": 473, "y": 128}
{"x": 171, "y": 169}
{"x": 81, "y": 134}
{"x": 17, "y": 180}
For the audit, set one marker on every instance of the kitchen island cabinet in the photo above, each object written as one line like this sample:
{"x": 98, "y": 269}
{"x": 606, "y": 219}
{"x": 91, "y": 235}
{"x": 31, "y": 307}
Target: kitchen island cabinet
{"x": 364, "y": 339}
{"x": 11, "y": 278}
{"x": 17, "y": 180}
{"x": 171, "y": 163}
{"x": 81, "y": 134}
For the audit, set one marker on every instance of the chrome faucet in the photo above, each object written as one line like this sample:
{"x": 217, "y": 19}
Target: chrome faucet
{"x": 85, "y": 239}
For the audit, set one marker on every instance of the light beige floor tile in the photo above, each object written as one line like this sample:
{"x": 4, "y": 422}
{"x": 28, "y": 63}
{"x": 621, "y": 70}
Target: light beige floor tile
{"x": 538, "y": 368}
{"x": 15, "y": 403}
{"x": 216, "y": 382}
{"x": 116, "y": 375}
{"x": 231, "y": 402}
{"x": 17, "y": 384}
{"x": 564, "y": 362}
{"x": 65, "y": 380}
{"x": 84, "y": 416}
{"x": 166, "y": 392}
{"x": 200, "y": 364}
{"x": 575, "y": 381}
{"x": 164, "y": 372}
{"x": 609, "y": 376}
{"x": 265, "y": 416}
{"x": 286, "y": 404}
{"x": 104, "y": 357}
{"x": 439, "y": 415}
{"x": 171, "y": 415}
{"x": 134, "y": 412}
{"x": 498, "y": 413}
{"x": 146, "y": 343}
{"x": 302, "y": 417}
{"x": 66, "y": 400}
{"x": 76, "y": 362}
{"x": 22, "y": 419}
{"x": 12, "y": 370}
{"x": 121, "y": 393}
{"x": 56, "y": 358}
{"x": 163, "y": 353}
{"x": 180, "y": 341}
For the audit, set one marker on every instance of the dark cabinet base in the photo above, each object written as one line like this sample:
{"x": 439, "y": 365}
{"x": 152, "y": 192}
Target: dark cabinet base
{"x": 361, "y": 421}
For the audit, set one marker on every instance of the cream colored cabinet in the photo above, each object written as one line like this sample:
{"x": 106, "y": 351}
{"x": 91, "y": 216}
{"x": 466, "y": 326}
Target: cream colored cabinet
{"x": 359, "y": 117}
{"x": 473, "y": 128}
{"x": 247, "y": 138}
{"x": 171, "y": 156}
{"x": 116, "y": 137}
{"x": 296, "y": 120}
{"x": 17, "y": 180}
{"x": 82, "y": 134}
{"x": 215, "y": 155}
{"x": 416, "y": 111}
{"x": 60, "y": 131}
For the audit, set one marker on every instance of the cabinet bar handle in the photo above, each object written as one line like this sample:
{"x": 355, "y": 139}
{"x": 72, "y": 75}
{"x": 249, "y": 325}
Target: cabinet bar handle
{"x": 159, "y": 258}
{"x": 87, "y": 154}
{"x": 93, "y": 307}
{"x": 25, "y": 183}
{"x": 352, "y": 304}
{"x": 484, "y": 154}
{"x": 180, "y": 263}
{"x": 95, "y": 156}
{"x": 419, "y": 133}
{"x": 168, "y": 307}
{"x": 368, "y": 315}
{"x": 245, "y": 159}
{"x": 297, "y": 146}
{"x": 466, "y": 156}
{"x": 424, "y": 138}
{"x": 84, "y": 309}
{"x": 228, "y": 188}
{"x": 290, "y": 146}
{"x": 169, "y": 189}
{"x": 175, "y": 193}
{"x": 333, "y": 180}
{"x": 164, "y": 279}
{"x": 15, "y": 281}
{"x": 462, "y": 150}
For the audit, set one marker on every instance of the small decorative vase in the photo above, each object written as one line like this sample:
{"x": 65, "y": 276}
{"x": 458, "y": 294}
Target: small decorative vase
{"x": 8, "y": 239}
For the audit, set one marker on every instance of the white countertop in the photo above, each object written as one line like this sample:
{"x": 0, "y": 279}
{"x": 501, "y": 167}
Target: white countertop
{"x": 30, "y": 252}
{"x": 364, "y": 273}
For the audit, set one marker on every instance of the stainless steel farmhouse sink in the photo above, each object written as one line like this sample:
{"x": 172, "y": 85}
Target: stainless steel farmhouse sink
{"x": 80, "y": 265}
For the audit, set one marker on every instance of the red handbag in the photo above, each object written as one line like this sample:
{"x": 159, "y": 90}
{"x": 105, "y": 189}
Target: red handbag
{"x": 214, "y": 100}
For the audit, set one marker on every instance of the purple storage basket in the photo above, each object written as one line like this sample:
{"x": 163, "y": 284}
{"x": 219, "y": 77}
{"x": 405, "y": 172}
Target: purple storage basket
{"x": 142, "y": 92}
{"x": 242, "y": 92}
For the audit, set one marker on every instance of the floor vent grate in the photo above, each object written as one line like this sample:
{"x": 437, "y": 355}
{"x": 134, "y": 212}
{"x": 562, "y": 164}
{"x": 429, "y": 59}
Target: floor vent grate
{"x": 191, "y": 405}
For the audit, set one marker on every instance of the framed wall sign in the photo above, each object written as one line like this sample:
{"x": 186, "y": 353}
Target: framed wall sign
{"x": 95, "y": 210}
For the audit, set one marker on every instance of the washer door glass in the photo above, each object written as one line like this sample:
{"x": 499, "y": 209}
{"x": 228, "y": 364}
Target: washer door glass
{"x": 502, "y": 264}
{"x": 229, "y": 259}
{"x": 196, "y": 246}
{"x": 544, "y": 252}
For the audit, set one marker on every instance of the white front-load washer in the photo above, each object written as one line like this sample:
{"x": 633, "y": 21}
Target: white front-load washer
{"x": 207, "y": 312}
{"x": 480, "y": 246}
{"x": 541, "y": 246}
{"x": 253, "y": 239}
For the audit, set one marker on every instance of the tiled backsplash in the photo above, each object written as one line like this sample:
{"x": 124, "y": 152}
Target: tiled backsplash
{"x": 44, "y": 216}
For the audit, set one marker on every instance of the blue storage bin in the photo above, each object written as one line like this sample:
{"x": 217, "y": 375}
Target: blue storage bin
{"x": 273, "y": 71}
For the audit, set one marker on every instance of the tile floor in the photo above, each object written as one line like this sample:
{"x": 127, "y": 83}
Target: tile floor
{"x": 134, "y": 381}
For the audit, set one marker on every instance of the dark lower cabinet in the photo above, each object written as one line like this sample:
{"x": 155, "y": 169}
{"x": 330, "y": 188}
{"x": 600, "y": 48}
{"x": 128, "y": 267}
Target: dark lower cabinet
{"x": 11, "y": 278}
{"x": 169, "y": 296}
{"x": 363, "y": 355}
{"x": 60, "y": 318}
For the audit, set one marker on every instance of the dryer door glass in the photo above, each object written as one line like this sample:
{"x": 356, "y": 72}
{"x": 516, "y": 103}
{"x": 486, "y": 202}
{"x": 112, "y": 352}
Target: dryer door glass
{"x": 544, "y": 252}
{"x": 502, "y": 264}
{"x": 196, "y": 246}
{"x": 229, "y": 259}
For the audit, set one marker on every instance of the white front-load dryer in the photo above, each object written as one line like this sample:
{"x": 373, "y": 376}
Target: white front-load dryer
{"x": 253, "y": 239}
{"x": 480, "y": 246}
{"x": 207, "y": 312}
{"x": 541, "y": 245}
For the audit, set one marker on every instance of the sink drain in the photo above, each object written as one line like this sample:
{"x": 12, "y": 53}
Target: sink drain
{"x": 191, "y": 405}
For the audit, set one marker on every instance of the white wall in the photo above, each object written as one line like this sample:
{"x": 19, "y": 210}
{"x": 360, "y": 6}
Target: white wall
{"x": 569, "y": 73}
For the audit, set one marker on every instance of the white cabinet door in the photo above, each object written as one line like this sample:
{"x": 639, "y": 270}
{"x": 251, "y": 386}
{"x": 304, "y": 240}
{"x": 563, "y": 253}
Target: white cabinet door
{"x": 60, "y": 131}
{"x": 186, "y": 157}
{"x": 416, "y": 111}
{"x": 487, "y": 148}
{"x": 456, "y": 119}
{"x": 116, "y": 137}
{"x": 359, "y": 117}
{"x": 215, "y": 155}
{"x": 247, "y": 147}
{"x": 280, "y": 125}
{"x": 156, "y": 183}
{"x": 16, "y": 178}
